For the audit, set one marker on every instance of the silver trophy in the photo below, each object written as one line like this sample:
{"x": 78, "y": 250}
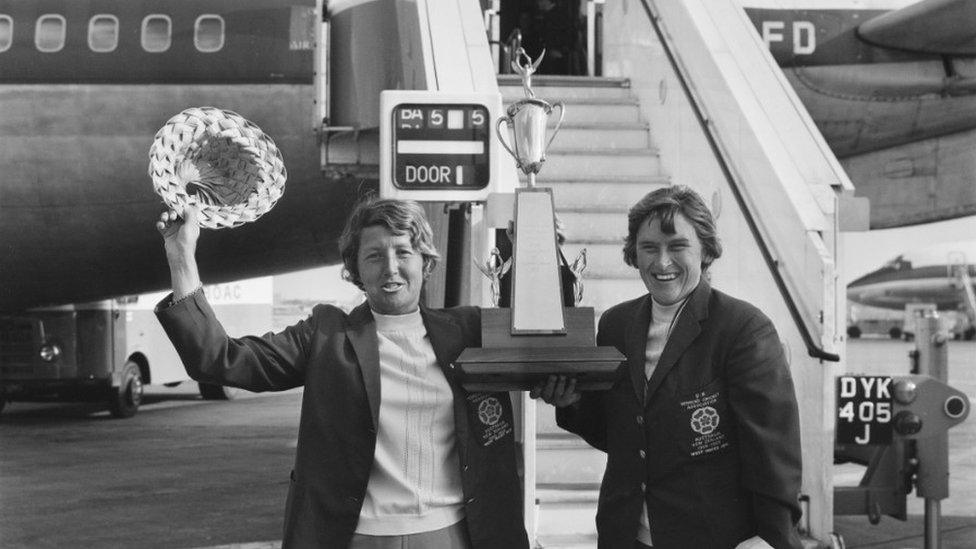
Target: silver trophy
{"x": 528, "y": 120}
{"x": 536, "y": 337}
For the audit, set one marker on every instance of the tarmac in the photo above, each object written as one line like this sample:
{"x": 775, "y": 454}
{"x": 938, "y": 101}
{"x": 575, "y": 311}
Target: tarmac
{"x": 190, "y": 474}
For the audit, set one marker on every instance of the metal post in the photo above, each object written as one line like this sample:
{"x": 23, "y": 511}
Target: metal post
{"x": 530, "y": 499}
{"x": 932, "y": 482}
{"x": 933, "y": 538}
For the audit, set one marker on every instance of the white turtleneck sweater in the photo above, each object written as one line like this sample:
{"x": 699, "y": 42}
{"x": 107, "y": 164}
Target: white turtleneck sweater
{"x": 415, "y": 482}
{"x": 663, "y": 318}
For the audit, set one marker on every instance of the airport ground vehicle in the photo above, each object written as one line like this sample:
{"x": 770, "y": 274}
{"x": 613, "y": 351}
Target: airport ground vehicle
{"x": 105, "y": 351}
{"x": 875, "y": 321}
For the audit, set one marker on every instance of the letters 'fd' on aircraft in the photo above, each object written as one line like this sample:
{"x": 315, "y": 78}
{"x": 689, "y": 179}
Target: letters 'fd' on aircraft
{"x": 892, "y": 86}
{"x": 85, "y": 84}
{"x": 942, "y": 275}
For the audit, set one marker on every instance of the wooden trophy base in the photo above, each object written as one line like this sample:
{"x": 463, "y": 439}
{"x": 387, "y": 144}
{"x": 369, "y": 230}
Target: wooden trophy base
{"x": 507, "y": 362}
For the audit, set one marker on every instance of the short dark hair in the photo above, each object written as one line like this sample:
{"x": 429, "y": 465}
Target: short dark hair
{"x": 663, "y": 204}
{"x": 399, "y": 217}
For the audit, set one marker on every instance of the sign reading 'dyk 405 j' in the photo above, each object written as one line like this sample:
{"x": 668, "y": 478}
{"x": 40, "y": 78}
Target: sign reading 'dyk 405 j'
{"x": 864, "y": 410}
{"x": 438, "y": 146}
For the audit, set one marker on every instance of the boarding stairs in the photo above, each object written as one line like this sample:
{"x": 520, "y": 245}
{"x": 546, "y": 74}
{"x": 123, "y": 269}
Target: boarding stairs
{"x": 600, "y": 163}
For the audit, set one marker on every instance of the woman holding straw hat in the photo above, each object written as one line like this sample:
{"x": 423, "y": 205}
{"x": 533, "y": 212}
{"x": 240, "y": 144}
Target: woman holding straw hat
{"x": 392, "y": 451}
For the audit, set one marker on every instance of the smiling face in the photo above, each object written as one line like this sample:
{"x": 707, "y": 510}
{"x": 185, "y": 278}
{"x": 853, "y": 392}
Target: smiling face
{"x": 391, "y": 271}
{"x": 669, "y": 264}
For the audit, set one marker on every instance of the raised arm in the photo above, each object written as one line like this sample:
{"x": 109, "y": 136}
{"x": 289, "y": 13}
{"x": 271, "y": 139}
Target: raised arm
{"x": 180, "y": 241}
{"x": 267, "y": 363}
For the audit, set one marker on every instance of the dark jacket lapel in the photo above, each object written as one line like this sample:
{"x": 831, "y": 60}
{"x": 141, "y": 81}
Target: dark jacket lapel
{"x": 685, "y": 330}
{"x": 445, "y": 338}
{"x": 362, "y": 335}
{"x": 636, "y": 342}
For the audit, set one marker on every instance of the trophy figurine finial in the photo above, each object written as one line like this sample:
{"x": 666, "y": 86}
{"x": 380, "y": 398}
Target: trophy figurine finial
{"x": 528, "y": 119}
{"x": 494, "y": 268}
{"x": 524, "y": 65}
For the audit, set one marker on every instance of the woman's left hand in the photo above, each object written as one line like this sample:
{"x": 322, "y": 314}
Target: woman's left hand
{"x": 559, "y": 391}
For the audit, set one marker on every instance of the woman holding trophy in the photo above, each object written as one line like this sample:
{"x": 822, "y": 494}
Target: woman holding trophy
{"x": 701, "y": 427}
{"x": 392, "y": 451}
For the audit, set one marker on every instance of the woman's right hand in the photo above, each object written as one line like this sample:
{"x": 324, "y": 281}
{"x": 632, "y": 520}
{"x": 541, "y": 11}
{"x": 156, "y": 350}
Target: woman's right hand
{"x": 180, "y": 235}
{"x": 559, "y": 391}
{"x": 180, "y": 240}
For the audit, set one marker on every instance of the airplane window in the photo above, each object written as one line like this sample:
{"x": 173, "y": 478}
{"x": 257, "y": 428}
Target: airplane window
{"x": 208, "y": 33}
{"x": 6, "y": 32}
{"x": 156, "y": 33}
{"x": 49, "y": 33}
{"x": 103, "y": 33}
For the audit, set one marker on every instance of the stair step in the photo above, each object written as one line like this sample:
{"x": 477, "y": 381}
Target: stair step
{"x": 513, "y": 95}
{"x": 564, "y": 460}
{"x": 597, "y": 113}
{"x": 601, "y": 294}
{"x": 567, "y": 493}
{"x": 567, "y": 515}
{"x": 600, "y": 163}
{"x": 548, "y": 81}
{"x": 545, "y": 420}
{"x": 603, "y": 261}
{"x": 624, "y": 136}
{"x": 607, "y": 226}
{"x": 609, "y": 196}
{"x": 567, "y": 541}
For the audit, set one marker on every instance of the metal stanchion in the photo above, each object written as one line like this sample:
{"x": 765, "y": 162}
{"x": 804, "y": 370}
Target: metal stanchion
{"x": 931, "y": 340}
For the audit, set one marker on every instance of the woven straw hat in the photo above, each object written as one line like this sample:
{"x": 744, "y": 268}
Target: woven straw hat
{"x": 219, "y": 161}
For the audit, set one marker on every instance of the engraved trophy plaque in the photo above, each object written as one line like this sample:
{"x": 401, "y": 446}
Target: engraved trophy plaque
{"x": 538, "y": 336}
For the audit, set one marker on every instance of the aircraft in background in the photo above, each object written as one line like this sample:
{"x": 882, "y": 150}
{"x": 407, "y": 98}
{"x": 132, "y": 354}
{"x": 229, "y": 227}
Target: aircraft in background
{"x": 85, "y": 85}
{"x": 891, "y": 84}
{"x": 942, "y": 276}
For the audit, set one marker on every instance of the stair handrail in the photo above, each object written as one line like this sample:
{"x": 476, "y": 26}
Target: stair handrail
{"x": 960, "y": 270}
{"x": 734, "y": 182}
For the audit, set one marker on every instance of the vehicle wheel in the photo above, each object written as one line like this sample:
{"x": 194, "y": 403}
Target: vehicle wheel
{"x": 853, "y": 332}
{"x": 211, "y": 391}
{"x": 895, "y": 333}
{"x": 970, "y": 333}
{"x": 127, "y": 397}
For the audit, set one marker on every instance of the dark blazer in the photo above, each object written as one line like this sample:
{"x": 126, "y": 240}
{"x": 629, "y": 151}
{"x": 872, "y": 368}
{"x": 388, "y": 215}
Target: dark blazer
{"x": 336, "y": 357}
{"x": 711, "y": 442}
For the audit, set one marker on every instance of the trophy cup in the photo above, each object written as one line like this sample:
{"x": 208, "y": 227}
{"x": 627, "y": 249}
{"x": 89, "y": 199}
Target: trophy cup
{"x": 538, "y": 336}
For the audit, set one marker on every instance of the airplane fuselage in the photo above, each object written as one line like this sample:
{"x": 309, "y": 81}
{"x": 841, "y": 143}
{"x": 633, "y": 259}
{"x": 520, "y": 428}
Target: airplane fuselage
{"x": 933, "y": 275}
{"x": 903, "y": 123}
{"x": 84, "y": 85}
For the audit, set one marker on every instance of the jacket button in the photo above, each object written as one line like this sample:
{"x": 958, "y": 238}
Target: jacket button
{"x": 642, "y": 453}
{"x": 640, "y": 420}
{"x": 353, "y": 499}
{"x": 643, "y": 487}
{"x": 470, "y": 500}
{"x": 465, "y": 468}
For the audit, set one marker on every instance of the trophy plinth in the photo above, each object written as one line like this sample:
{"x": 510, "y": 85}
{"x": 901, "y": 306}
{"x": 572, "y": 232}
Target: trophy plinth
{"x": 538, "y": 336}
{"x": 508, "y": 362}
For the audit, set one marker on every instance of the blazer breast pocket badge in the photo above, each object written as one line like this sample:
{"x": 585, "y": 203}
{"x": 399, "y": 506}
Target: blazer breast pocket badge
{"x": 492, "y": 423}
{"x": 705, "y": 422}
